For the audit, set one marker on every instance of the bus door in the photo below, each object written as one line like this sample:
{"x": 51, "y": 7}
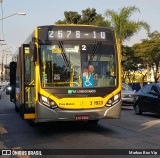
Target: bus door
{"x": 28, "y": 84}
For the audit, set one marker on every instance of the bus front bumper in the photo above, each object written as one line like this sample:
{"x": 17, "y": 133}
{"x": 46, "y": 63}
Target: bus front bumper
{"x": 45, "y": 114}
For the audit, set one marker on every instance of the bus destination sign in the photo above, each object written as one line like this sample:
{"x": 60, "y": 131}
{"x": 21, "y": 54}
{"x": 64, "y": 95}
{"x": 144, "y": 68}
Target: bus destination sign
{"x": 79, "y": 34}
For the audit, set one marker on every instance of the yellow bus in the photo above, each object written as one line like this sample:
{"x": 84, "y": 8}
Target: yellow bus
{"x": 51, "y": 75}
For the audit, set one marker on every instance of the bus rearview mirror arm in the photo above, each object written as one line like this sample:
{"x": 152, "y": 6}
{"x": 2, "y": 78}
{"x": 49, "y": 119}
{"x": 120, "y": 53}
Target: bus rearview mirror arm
{"x": 33, "y": 52}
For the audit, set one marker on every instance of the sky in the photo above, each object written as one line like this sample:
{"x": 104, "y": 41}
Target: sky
{"x": 16, "y": 29}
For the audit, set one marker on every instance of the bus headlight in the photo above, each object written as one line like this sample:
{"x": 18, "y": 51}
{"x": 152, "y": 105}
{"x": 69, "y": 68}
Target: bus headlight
{"x": 48, "y": 102}
{"x": 44, "y": 99}
{"x": 115, "y": 99}
{"x": 9, "y": 88}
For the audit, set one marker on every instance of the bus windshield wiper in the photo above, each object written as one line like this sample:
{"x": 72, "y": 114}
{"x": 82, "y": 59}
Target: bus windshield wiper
{"x": 66, "y": 60}
{"x": 94, "y": 50}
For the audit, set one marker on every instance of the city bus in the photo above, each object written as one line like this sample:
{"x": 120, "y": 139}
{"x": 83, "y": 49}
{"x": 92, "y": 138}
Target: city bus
{"x": 48, "y": 78}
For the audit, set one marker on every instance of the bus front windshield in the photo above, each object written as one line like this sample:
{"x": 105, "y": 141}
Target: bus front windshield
{"x": 78, "y": 65}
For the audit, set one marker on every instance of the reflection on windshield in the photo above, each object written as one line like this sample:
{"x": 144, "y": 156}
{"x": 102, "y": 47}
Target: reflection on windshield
{"x": 64, "y": 65}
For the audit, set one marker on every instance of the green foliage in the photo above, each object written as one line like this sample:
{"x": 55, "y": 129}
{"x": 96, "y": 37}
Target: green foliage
{"x": 149, "y": 52}
{"x": 129, "y": 60}
{"x": 123, "y": 26}
{"x": 154, "y": 35}
{"x": 129, "y": 64}
{"x": 70, "y": 18}
{"x": 88, "y": 17}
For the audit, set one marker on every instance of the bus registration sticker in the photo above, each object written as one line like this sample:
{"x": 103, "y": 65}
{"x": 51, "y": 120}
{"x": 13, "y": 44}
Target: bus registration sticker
{"x": 82, "y": 117}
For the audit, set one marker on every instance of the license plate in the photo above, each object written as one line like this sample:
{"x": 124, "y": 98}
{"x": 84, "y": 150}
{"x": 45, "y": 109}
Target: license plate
{"x": 82, "y": 117}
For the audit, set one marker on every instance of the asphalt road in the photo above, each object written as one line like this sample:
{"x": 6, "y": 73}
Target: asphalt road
{"x": 131, "y": 132}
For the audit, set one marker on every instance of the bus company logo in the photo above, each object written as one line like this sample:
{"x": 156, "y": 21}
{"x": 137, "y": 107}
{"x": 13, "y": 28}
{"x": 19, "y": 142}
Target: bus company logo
{"x": 71, "y": 91}
{"x": 6, "y": 152}
{"x": 81, "y": 91}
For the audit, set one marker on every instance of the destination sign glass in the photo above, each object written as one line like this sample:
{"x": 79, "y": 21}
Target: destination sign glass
{"x": 79, "y": 34}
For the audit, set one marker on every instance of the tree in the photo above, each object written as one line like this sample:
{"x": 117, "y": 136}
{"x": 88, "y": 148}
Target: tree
{"x": 129, "y": 63}
{"x": 149, "y": 52}
{"x": 123, "y": 26}
{"x": 154, "y": 35}
{"x": 88, "y": 17}
{"x": 71, "y": 17}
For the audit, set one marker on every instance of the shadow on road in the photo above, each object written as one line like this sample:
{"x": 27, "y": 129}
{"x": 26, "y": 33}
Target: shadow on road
{"x": 69, "y": 127}
{"x": 157, "y": 116}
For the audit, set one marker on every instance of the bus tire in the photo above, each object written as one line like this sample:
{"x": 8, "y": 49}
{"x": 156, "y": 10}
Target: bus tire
{"x": 22, "y": 111}
{"x": 16, "y": 108}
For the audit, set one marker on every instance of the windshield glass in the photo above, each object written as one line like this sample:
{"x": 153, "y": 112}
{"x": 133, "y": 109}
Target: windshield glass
{"x": 78, "y": 65}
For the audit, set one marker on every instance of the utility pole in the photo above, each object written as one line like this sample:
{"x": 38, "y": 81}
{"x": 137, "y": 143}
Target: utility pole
{"x": 2, "y": 70}
{"x": 6, "y": 66}
{"x": 7, "y": 53}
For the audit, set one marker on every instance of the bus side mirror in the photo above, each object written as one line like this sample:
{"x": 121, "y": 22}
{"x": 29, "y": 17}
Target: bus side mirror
{"x": 33, "y": 52}
{"x": 13, "y": 66}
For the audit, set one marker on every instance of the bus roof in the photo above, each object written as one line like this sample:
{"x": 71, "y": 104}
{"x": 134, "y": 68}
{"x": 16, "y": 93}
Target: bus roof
{"x": 77, "y": 25}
